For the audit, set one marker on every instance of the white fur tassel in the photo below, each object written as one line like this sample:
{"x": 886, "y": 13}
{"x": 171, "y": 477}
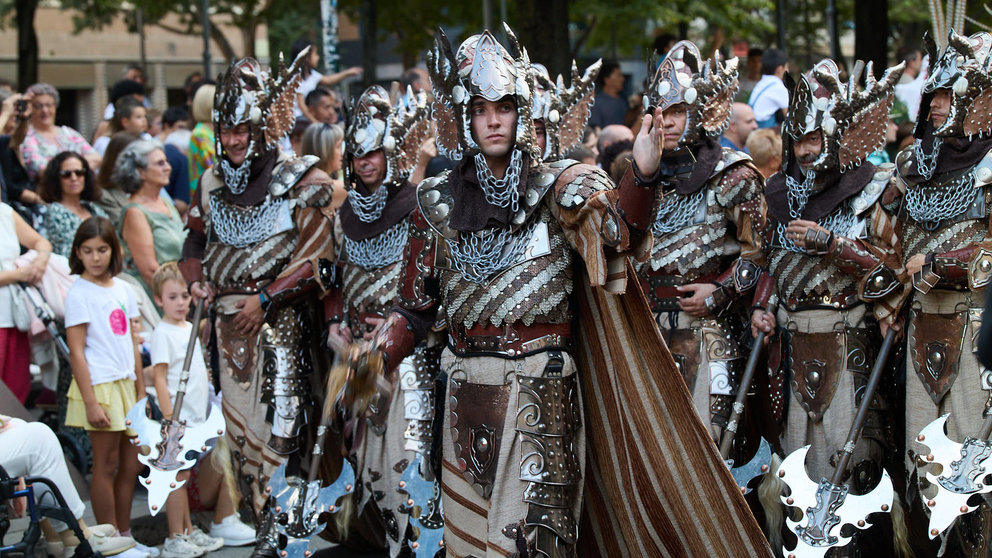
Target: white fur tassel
{"x": 770, "y": 495}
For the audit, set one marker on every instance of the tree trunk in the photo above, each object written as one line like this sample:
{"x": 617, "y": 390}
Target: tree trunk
{"x": 369, "y": 43}
{"x": 543, "y": 27}
{"x": 27, "y": 43}
{"x": 870, "y": 16}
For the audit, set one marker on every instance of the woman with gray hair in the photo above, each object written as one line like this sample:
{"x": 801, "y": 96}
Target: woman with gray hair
{"x": 324, "y": 142}
{"x": 151, "y": 228}
{"x": 44, "y": 139}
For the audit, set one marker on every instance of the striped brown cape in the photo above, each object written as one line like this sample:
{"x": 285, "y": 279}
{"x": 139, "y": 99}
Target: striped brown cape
{"x": 655, "y": 483}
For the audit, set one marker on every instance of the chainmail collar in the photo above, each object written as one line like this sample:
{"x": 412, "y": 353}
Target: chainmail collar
{"x": 471, "y": 211}
{"x": 235, "y": 178}
{"x": 258, "y": 179}
{"x": 380, "y": 250}
{"x": 368, "y": 208}
{"x": 400, "y": 201}
{"x": 829, "y": 190}
{"x": 952, "y": 155}
{"x": 501, "y": 192}
{"x": 839, "y": 222}
{"x": 929, "y": 203}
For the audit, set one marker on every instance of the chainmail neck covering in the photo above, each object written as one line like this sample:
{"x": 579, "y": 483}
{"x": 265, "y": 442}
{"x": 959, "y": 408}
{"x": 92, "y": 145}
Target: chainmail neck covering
{"x": 830, "y": 189}
{"x": 471, "y": 210}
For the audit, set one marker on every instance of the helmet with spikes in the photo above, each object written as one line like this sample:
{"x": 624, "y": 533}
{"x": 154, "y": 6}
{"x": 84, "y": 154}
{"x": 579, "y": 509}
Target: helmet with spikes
{"x": 707, "y": 87}
{"x": 853, "y": 120}
{"x": 398, "y": 130}
{"x": 964, "y": 69}
{"x": 480, "y": 68}
{"x": 246, "y": 93}
{"x": 564, "y": 110}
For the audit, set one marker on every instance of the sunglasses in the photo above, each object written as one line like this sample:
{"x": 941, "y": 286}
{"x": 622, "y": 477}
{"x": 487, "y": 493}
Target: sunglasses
{"x": 67, "y": 173}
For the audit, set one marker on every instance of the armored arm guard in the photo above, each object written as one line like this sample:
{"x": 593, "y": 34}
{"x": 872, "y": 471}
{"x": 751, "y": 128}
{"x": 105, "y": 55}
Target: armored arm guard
{"x": 739, "y": 193}
{"x": 395, "y": 339}
{"x": 334, "y": 302}
{"x": 586, "y": 205}
{"x": 638, "y": 197}
{"x": 763, "y": 291}
{"x": 310, "y": 267}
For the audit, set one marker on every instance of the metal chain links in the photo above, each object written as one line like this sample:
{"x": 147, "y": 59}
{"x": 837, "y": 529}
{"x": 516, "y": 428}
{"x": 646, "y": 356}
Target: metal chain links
{"x": 240, "y": 227}
{"x": 478, "y": 255}
{"x": 380, "y": 250}
{"x": 236, "y": 179}
{"x": 501, "y": 192}
{"x": 798, "y": 194}
{"x": 926, "y": 163}
{"x": 677, "y": 211}
{"x": 368, "y": 208}
{"x": 931, "y": 203}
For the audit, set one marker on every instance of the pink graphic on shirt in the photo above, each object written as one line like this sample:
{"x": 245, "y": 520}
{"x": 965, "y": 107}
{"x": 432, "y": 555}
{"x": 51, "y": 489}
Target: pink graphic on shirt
{"x": 118, "y": 321}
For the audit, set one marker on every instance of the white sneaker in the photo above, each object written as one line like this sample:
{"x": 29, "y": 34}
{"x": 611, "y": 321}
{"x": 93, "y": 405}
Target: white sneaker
{"x": 233, "y": 531}
{"x": 151, "y": 551}
{"x": 204, "y": 541}
{"x": 179, "y": 546}
{"x": 132, "y": 553}
{"x": 106, "y": 545}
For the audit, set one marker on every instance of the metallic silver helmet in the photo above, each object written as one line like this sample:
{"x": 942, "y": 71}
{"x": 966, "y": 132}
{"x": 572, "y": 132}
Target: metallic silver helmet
{"x": 707, "y": 87}
{"x": 963, "y": 68}
{"x": 480, "y": 68}
{"x": 853, "y": 120}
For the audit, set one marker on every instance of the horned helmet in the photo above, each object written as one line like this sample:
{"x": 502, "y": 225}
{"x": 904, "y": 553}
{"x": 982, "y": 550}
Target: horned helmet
{"x": 397, "y": 129}
{"x": 564, "y": 110}
{"x": 964, "y": 68}
{"x": 480, "y": 68}
{"x": 247, "y": 93}
{"x": 853, "y": 120}
{"x": 707, "y": 87}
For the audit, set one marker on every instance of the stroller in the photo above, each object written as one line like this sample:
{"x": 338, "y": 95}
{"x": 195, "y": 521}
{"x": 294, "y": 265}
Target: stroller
{"x": 36, "y": 511}
{"x": 75, "y": 442}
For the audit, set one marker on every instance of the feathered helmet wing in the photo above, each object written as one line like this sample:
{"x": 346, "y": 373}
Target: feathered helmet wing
{"x": 853, "y": 120}
{"x": 564, "y": 110}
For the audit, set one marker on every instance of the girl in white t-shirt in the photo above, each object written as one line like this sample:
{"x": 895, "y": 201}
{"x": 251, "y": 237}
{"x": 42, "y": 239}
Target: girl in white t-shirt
{"x": 106, "y": 368}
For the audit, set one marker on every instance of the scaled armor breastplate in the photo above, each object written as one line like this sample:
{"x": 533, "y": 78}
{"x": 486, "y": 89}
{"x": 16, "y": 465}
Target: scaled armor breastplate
{"x": 371, "y": 273}
{"x": 249, "y": 246}
{"x": 694, "y": 238}
{"x": 948, "y": 212}
{"x": 522, "y": 273}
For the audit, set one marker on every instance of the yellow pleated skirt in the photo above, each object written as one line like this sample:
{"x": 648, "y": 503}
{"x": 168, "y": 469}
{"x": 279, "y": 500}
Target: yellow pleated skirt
{"x": 115, "y": 397}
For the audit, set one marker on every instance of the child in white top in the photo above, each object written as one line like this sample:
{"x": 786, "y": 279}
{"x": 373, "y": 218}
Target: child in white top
{"x": 105, "y": 367}
{"x": 168, "y": 351}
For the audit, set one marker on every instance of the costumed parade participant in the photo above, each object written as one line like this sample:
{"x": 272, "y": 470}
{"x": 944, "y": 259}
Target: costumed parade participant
{"x": 833, "y": 259}
{"x": 377, "y": 252}
{"x": 525, "y": 251}
{"x": 707, "y": 245}
{"x": 260, "y": 241}
{"x": 946, "y": 176}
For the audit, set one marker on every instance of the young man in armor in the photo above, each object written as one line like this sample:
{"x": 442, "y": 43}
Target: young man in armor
{"x": 707, "y": 246}
{"x": 259, "y": 244}
{"x": 946, "y": 176}
{"x": 833, "y": 258}
{"x": 521, "y": 248}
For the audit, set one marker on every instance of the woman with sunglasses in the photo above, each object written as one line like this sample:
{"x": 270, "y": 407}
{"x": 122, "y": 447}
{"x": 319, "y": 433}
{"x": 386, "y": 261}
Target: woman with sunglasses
{"x": 71, "y": 192}
{"x": 151, "y": 228}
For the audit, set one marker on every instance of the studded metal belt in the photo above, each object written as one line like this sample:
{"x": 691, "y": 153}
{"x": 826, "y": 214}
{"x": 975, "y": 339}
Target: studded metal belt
{"x": 662, "y": 290}
{"x": 840, "y": 301}
{"x": 513, "y": 341}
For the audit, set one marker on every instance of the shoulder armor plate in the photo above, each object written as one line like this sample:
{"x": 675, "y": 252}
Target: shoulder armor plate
{"x": 579, "y": 183}
{"x": 434, "y": 199}
{"x": 288, "y": 172}
{"x": 873, "y": 190}
{"x": 730, "y": 157}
